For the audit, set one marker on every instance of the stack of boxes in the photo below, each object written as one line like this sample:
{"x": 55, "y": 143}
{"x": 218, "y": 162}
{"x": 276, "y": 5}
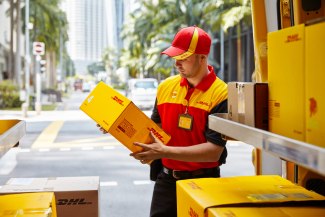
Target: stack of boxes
{"x": 74, "y": 196}
{"x": 296, "y": 73}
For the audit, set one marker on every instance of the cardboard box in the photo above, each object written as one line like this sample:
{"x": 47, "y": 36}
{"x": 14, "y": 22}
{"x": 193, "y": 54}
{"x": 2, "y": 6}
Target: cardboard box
{"x": 28, "y": 205}
{"x": 120, "y": 117}
{"x": 75, "y": 196}
{"x": 195, "y": 196}
{"x": 286, "y": 78}
{"x": 248, "y": 103}
{"x": 315, "y": 76}
{"x": 266, "y": 212}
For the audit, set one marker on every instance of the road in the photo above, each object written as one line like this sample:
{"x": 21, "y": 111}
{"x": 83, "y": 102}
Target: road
{"x": 66, "y": 142}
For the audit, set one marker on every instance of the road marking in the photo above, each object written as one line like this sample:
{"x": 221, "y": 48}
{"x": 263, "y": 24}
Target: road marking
{"x": 65, "y": 149}
{"x": 8, "y": 161}
{"x": 24, "y": 150}
{"x": 87, "y": 148}
{"x": 47, "y": 137}
{"x": 43, "y": 149}
{"x": 108, "y": 147}
{"x": 142, "y": 182}
{"x": 105, "y": 184}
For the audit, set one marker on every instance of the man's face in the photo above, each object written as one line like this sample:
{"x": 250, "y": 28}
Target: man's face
{"x": 189, "y": 67}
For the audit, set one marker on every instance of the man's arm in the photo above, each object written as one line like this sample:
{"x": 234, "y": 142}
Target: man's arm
{"x": 204, "y": 152}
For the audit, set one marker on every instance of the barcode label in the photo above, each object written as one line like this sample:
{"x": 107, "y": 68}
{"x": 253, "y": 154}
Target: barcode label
{"x": 277, "y": 196}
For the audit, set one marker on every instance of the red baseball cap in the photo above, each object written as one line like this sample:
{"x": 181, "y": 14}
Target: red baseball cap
{"x": 188, "y": 41}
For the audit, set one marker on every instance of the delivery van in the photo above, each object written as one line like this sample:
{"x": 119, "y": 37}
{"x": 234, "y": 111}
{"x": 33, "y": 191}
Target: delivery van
{"x": 142, "y": 91}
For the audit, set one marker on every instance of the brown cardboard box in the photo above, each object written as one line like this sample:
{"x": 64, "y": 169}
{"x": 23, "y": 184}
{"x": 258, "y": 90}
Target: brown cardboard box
{"x": 75, "y": 196}
{"x": 248, "y": 103}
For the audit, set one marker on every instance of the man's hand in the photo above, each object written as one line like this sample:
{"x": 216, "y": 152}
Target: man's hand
{"x": 102, "y": 129}
{"x": 153, "y": 151}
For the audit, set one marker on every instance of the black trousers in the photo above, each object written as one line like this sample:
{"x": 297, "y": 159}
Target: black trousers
{"x": 164, "y": 202}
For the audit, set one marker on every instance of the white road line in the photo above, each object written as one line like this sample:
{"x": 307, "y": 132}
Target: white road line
{"x": 105, "y": 184}
{"x": 8, "y": 161}
{"x": 43, "y": 149}
{"x": 108, "y": 147}
{"x": 142, "y": 182}
{"x": 24, "y": 150}
{"x": 65, "y": 149}
{"x": 87, "y": 148}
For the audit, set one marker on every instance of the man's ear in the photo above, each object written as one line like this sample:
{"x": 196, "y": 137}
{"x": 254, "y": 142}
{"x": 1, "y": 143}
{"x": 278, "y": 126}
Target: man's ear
{"x": 203, "y": 58}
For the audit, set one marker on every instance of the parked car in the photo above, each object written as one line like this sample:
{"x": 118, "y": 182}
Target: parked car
{"x": 77, "y": 85}
{"x": 142, "y": 91}
{"x": 86, "y": 87}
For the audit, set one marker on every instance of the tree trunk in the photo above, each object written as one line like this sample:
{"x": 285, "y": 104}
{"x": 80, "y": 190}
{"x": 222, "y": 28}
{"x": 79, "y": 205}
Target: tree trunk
{"x": 240, "y": 74}
{"x": 52, "y": 70}
{"x": 18, "y": 57}
{"x": 11, "y": 49}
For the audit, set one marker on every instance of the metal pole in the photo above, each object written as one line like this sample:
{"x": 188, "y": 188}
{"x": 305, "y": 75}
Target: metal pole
{"x": 222, "y": 54}
{"x": 27, "y": 58}
{"x": 38, "y": 104}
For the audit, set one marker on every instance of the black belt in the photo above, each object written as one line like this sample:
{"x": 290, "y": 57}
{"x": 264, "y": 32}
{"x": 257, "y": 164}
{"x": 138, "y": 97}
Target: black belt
{"x": 181, "y": 174}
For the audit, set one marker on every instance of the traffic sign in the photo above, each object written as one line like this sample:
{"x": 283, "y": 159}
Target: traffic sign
{"x": 38, "y": 48}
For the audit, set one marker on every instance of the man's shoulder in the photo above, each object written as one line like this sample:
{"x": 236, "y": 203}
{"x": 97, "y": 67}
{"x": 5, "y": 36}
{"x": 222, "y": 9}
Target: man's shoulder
{"x": 174, "y": 79}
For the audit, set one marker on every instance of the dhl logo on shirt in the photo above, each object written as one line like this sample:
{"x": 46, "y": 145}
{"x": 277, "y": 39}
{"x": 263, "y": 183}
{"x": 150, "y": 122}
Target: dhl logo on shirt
{"x": 203, "y": 103}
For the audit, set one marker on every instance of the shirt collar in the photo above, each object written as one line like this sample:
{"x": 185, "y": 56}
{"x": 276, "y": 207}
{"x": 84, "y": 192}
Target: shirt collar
{"x": 206, "y": 81}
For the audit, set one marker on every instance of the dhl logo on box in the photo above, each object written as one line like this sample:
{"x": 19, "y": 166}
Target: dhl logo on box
{"x": 120, "y": 117}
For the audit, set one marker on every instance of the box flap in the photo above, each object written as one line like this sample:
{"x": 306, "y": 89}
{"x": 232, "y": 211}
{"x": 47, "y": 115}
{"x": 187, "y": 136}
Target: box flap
{"x": 87, "y": 183}
{"x": 83, "y": 183}
{"x": 15, "y": 185}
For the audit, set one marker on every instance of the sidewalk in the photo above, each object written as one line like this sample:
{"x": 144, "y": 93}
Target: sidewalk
{"x": 55, "y": 115}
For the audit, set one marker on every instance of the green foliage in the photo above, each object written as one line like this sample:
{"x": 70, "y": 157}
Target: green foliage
{"x": 151, "y": 28}
{"x": 95, "y": 68}
{"x": 49, "y": 25}
{"x": 9, "y": 96}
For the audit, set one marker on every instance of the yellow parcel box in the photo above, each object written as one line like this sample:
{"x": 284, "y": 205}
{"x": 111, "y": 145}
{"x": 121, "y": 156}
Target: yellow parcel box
{"x": 286, "y": 78}
{"x": 120, "y": 117}
{"x": 195, "y": 196}
{"x": 28, "y": 205}
{"x": 315, "y": 76}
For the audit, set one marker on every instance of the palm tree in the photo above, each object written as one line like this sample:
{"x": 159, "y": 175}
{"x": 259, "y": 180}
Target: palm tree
{"x": 226, "y": 14}
{"x": 50, "y": 24}
{"x": 152, "y": 27}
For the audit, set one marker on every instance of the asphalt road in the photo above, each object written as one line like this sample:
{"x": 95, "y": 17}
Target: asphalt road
{"x": 67, "y": 143}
